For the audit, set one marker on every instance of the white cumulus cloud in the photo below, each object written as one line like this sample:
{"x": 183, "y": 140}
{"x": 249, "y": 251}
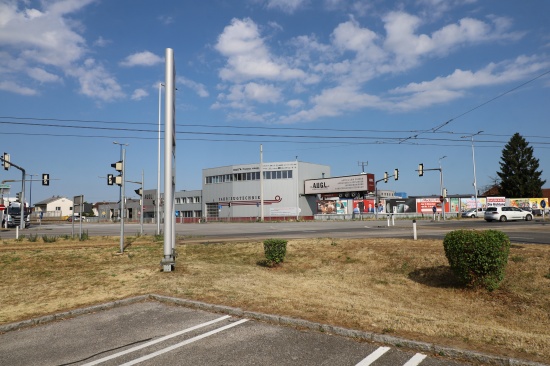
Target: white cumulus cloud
{"x": 144, "y": 58}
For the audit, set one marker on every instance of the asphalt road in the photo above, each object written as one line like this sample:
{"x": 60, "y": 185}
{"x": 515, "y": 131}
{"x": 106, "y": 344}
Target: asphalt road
{"x": 154, "y": 333}
{"x": 534, "y": 232}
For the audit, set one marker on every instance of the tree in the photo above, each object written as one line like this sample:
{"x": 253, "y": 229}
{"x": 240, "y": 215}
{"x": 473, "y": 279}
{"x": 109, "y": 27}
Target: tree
{"x": 518, "y": 174}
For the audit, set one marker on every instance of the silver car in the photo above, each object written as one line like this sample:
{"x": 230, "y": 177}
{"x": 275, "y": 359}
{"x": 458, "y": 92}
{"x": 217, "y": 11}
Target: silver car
{"x": 472, "y": 213}
{"x": 507, "y": 213}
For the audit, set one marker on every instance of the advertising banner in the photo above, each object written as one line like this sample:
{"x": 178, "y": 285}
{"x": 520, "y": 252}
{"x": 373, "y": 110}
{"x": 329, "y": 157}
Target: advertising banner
{"x": 455, "y": 205}
{"x": 283, "y": 211}
{"x": 352, "y": 183}
{"x": 425, "y": 205}
{"x": 533, "y": 203}
{"x": 468, "y": 203}
{"x": 402, "y": 205}
{"x": 496, "y": 201}
{"x": 342, "y": 207}
{"x": 364, "y": 205}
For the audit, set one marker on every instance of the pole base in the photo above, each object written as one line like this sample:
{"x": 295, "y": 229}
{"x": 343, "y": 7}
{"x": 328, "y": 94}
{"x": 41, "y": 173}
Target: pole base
{"x": 168, "y": 264}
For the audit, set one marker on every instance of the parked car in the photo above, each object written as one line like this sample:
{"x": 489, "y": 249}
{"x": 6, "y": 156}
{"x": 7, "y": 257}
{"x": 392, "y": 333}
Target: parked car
{"x": 76, "y": 218}
{"x": 471, "y": 213}
{"x": 507, "y": 213}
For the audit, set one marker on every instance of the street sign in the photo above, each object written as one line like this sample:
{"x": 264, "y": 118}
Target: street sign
{"x": 5, "y": 186}
{"x": 2, "y": 207}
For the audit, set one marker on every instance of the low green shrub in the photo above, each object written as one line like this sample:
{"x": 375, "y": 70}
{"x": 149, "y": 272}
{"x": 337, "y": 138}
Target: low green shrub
{"x": 49, "y": 239}
{"x": 477, "y": 258}
{"x": 33, "y": 238}
{"x": 275, "y": 251}
{"x": 84, "y": 236}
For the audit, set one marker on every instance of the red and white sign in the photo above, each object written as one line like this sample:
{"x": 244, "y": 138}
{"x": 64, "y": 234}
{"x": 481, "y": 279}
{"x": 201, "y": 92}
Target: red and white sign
{"x": 2, "y": 207}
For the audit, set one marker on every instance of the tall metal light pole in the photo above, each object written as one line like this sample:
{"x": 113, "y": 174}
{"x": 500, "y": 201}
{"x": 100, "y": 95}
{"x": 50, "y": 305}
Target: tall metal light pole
{"x": 474, "y": 163}
{"x": 122, "y": 193}
{"x": 441, "y": 185}
{"x": 157, "y": 208}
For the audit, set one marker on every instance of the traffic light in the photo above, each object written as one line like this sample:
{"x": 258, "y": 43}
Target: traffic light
{"x": 18, "y": 197}
{"x": 45, "y": 179}
{"x": 117, "y": 166}
{"x": 396, "y": 174}
{"x": 139, "y": 192}
{"x": 420, "y": 169}
{"x": 118, "y": 180}
{"x": 110, "y": 180}
{"x": 6, "y": 162}
{"x": 444, "y": 192}
{"x": 385, "y": 177}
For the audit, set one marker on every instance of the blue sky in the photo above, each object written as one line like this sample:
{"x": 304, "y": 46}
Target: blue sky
{"x": 335, "y": 82}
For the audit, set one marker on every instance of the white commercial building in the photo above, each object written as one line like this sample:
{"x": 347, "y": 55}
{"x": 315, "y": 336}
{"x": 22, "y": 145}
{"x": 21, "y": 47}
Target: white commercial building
{"x": 235, "y": 191}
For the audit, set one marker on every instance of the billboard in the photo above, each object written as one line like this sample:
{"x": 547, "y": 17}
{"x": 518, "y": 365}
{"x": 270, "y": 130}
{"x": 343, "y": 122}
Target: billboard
{"x": 533, "y": 203}
{"x": 496, "y": 201}
{"x": 352, "y": 183}
{"x": 425, "y": 205}
{"x": 467, "y": 203}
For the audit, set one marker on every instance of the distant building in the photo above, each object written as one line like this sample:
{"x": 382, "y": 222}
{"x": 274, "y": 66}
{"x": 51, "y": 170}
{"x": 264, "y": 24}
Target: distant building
{"x": 56, "y": 206}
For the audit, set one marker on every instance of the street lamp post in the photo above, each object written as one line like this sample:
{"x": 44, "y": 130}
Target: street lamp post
{"x": 474, "y": 164}
{"x": 157, "y": 208}
{"x": 441, "y": 185}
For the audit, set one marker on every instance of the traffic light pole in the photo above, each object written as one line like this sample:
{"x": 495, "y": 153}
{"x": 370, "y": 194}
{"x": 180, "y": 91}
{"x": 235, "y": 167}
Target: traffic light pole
{"x": 385, "y": 179}
{"x": 22, "y": 197}
{"x": 421, "y": 171}
{"x": 122, "y": 206}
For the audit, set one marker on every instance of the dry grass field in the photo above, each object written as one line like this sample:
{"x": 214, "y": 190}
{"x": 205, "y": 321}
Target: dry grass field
{"x": 398, "y": 287}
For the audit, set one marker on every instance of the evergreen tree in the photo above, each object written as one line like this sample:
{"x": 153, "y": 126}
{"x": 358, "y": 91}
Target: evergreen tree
{"x": 518, "y": 174}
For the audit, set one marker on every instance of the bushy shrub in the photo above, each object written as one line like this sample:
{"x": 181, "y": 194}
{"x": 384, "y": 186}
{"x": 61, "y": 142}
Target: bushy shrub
{"x": 49, "y": 239}
{"x": 477, "y": 258}
{"x": 275, "y": 251}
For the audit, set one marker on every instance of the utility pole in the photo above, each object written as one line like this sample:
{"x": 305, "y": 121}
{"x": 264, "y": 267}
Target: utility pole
{"x": 362, "y": 164}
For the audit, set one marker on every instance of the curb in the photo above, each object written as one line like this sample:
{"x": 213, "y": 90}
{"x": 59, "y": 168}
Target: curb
{"x": 434, "y": 349}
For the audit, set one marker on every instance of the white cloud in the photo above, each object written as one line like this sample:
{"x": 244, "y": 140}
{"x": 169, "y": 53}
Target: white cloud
{"x": 144, "y": 58}
{"x": 198, "y": 88}
{"x": 96, "y": 82}
{"x": 287, "y": 6}
{"x": 334, "y": 102}
{"x": 42, "y": 75}
{"x": 42, "y": 43}
{"x": 101, "y": 42}
{"x": 295, "y": 103}
{"x": 41, "y": 35}
{"x": 407, "y": 46}
{"x": 243, "y": 96}
{"x": 139, "y": 94}
{"x": 453, "y": 86}
{"x": 13, "y": 87}
{"x": 248, "y": 57}
{"x": 338, "y": 73}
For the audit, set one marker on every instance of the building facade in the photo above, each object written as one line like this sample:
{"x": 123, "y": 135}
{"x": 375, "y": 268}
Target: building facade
{"x": 237, "y": 191}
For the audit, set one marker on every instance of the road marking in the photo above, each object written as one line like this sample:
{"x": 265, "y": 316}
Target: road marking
{"x": 181, "y": 344}
{"x": 419, "y": 357}
{"x": 161, "y": 339}
{"x": 373, "y": 356}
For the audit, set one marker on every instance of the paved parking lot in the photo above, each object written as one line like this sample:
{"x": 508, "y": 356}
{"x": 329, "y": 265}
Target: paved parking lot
{"x": 158, "y": 333}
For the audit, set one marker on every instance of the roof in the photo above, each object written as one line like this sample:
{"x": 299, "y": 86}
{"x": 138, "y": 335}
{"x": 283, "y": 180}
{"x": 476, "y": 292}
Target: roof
{"x": 50, "y": 200}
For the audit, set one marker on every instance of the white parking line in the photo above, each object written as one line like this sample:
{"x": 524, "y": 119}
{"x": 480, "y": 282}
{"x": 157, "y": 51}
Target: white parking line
{"x": 161, "y": 339}
{"x": 181, "y": 344}
{"x": 415, "y": 360}
{"x": 373, "y": 356}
